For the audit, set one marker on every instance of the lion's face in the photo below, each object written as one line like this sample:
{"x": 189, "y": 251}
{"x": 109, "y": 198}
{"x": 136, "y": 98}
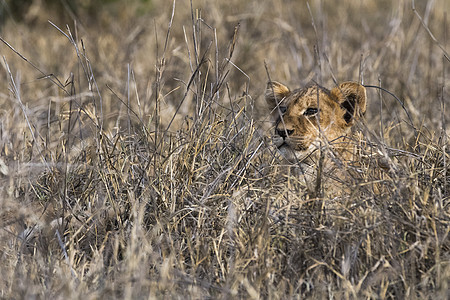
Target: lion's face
{"x": 305, "y": 117}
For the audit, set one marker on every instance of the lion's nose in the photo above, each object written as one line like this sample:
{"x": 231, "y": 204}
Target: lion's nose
{"x": 284, "y": 132}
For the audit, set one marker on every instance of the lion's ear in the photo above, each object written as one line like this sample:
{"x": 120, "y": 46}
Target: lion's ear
{"x": 275, "y": 92}
{"x": 352, "y": 98}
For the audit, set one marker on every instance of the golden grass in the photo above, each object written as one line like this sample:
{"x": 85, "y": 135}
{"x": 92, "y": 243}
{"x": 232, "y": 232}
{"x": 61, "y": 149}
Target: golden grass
{"x": 136, "y": 160}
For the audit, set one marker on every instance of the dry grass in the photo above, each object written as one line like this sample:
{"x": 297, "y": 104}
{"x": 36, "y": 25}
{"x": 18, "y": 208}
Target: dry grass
{"x": 135, "y": 161}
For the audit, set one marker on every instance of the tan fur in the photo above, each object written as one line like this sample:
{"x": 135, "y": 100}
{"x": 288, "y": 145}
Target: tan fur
{"x": 315, "y": 118}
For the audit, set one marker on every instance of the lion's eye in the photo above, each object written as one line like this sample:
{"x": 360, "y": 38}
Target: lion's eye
{"x": 311, "y": 111}
{"x": 282, "y": 109}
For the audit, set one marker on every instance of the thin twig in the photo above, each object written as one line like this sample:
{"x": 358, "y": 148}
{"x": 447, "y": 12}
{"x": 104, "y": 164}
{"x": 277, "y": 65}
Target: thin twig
{"x": 446, "y": 55}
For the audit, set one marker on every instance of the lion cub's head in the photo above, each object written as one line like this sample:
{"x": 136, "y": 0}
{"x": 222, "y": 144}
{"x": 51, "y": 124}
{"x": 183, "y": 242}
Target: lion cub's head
{"x": 305, "y": 117}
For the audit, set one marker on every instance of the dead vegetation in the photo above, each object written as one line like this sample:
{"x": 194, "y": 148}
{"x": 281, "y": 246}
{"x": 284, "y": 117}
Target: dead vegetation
{"x": 136, "y": 160}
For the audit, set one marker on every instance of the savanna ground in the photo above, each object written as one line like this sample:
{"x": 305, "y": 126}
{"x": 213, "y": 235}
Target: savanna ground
{"x": 136, "y": 162}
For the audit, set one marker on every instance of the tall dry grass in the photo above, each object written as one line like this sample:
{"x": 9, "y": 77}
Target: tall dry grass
{"x": 136, "y": 159}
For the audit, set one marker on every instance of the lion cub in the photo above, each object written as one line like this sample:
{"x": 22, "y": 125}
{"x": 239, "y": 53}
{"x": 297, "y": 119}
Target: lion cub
{"x": 314, "y": 120}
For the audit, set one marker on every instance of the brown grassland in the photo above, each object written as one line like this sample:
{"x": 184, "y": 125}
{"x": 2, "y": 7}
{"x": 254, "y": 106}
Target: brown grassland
{"x": 136, "y": 157}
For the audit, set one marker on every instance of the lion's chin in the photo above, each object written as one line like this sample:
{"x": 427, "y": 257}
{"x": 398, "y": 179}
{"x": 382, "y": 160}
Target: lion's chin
{"x": 296, "y": 155}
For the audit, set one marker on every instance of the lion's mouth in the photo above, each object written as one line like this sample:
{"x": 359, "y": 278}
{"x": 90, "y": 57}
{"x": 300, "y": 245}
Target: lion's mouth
{"x": 290, "y": 144}
{"x": 282, "y": 145}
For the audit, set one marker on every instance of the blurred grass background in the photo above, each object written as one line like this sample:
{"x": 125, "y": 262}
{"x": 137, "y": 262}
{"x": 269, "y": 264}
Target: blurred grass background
{"x": 135, "y": 160}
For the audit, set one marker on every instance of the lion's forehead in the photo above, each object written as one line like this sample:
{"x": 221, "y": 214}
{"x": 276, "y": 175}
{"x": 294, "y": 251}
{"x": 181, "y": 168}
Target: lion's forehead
{"x": 309, "y": 97}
